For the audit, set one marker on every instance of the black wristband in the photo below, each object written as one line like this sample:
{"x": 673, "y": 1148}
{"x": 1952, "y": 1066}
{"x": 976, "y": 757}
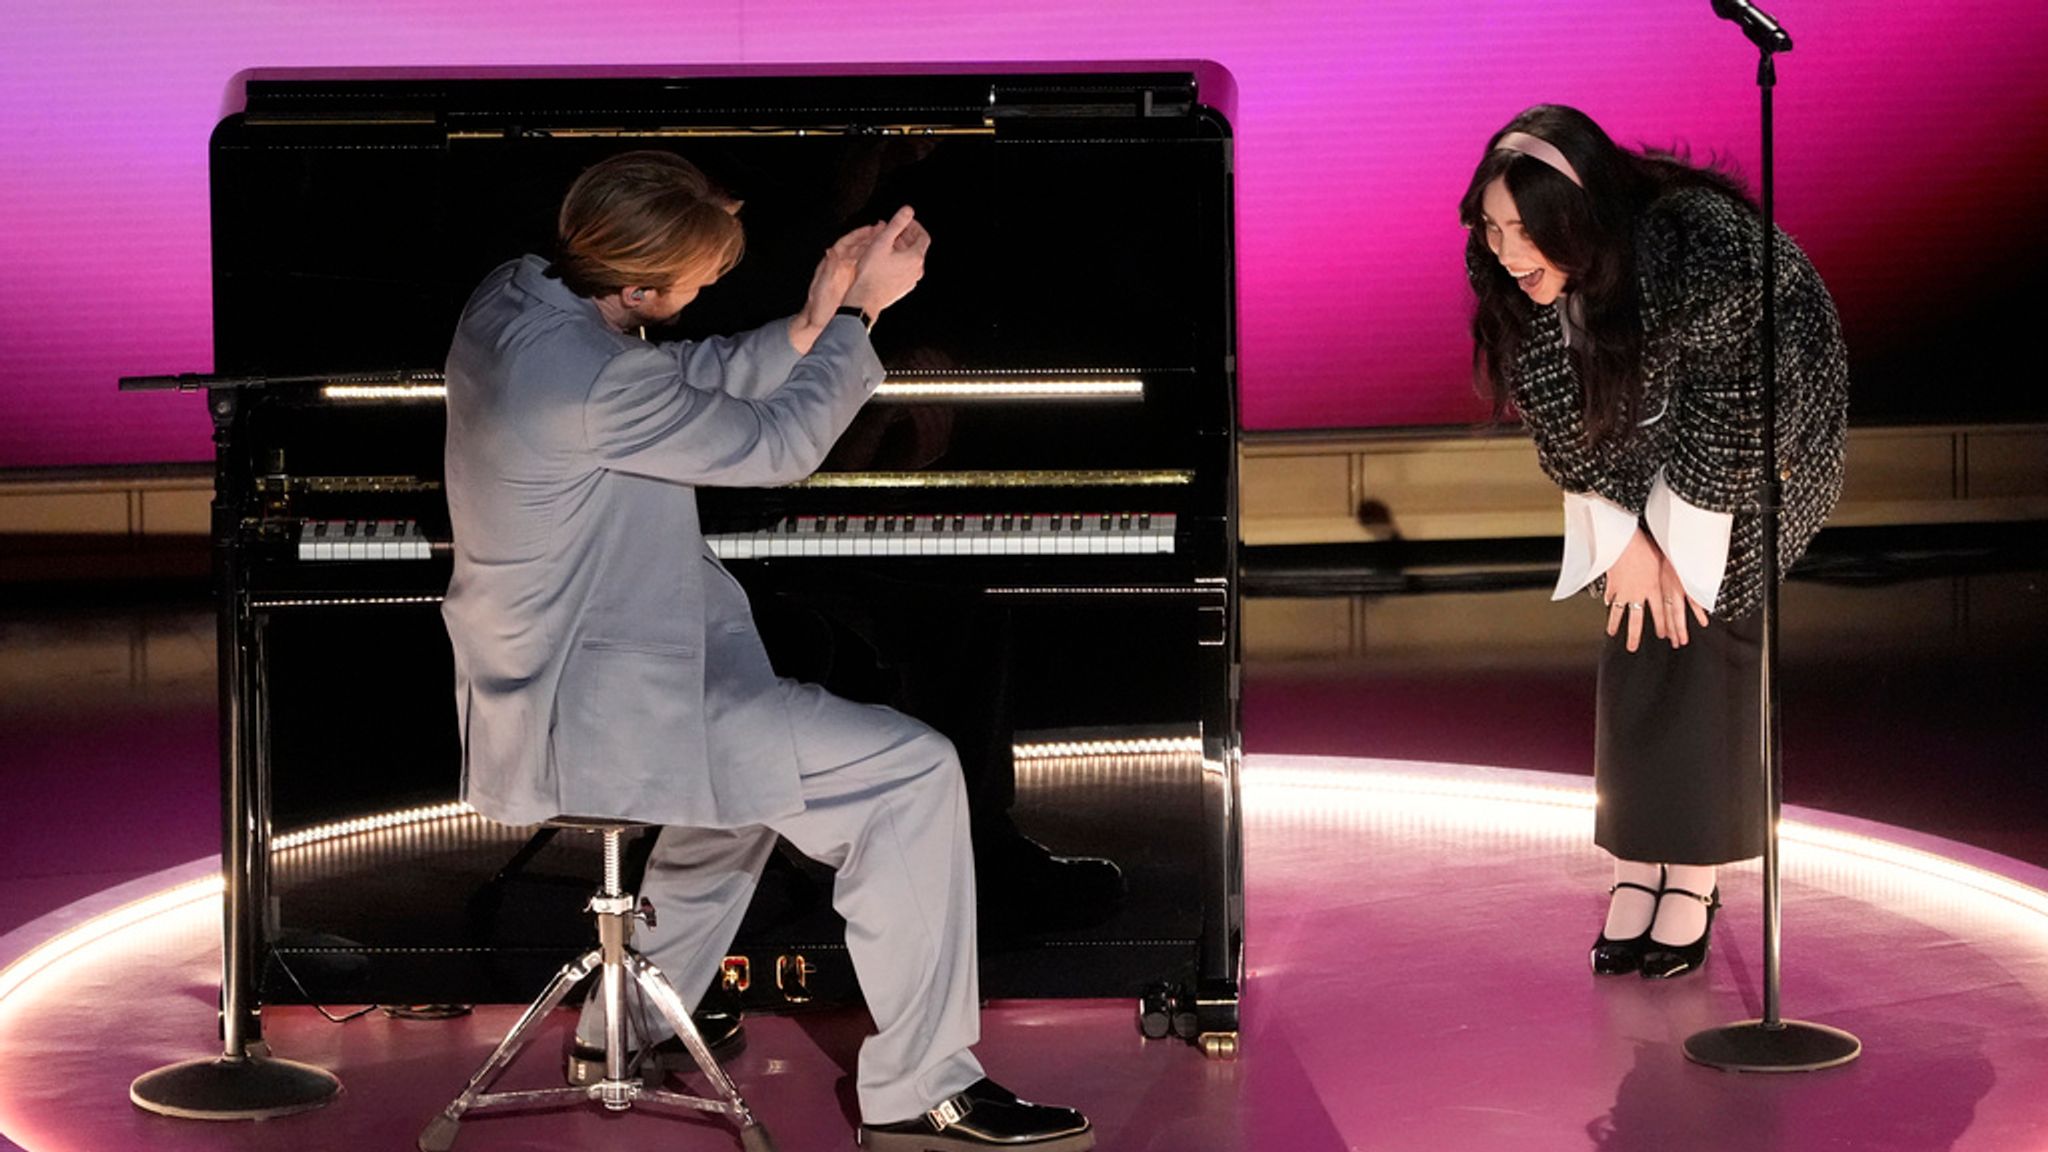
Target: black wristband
{"x": 860, "y": 314}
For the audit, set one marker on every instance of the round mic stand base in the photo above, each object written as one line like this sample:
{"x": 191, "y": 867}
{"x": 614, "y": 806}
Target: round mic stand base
{"x": 224, "y": 1088}
{"x": 1788, "y": 1046}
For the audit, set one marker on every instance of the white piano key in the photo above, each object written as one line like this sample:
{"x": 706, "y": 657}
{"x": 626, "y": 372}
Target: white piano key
{"x": 368, "y": 540}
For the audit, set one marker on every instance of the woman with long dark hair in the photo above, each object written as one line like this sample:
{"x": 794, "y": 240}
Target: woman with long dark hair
{"x": 1620, "y": 303}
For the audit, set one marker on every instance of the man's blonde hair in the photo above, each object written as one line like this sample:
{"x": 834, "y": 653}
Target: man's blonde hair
{"x": 644, "y": 219}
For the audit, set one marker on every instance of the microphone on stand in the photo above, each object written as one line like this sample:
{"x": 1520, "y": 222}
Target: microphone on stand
{"x": 1756, "y": 24}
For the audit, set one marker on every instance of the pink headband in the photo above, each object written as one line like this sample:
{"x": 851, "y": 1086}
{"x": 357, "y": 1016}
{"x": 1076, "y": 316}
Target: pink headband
{"x": 1538, "y": 149}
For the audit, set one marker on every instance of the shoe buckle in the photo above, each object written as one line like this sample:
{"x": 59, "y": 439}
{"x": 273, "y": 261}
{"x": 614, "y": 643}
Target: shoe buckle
{"x": 793, "y": 972}
{"x": 736, "y": 973}
{"x": 950, "y": 1111}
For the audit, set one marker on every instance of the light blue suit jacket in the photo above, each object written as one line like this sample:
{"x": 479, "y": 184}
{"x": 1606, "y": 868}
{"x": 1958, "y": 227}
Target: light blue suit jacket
{"x": 606, "y": 664}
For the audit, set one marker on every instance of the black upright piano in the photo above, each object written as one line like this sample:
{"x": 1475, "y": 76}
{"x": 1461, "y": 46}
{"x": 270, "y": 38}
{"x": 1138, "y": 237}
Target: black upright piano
{"x": 1028, "y": 539}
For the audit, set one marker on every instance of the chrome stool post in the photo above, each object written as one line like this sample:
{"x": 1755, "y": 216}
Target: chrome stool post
{"x": 615, "y": 962}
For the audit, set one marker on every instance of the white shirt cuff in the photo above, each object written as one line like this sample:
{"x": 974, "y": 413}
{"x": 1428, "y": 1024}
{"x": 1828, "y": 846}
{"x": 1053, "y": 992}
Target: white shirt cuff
{"x": 1694, "y": 540}
{"x": 1596, "y": 530}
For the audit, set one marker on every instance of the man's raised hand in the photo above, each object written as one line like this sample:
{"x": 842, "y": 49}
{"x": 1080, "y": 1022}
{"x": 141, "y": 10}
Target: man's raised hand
{"x": 890, "y": 264}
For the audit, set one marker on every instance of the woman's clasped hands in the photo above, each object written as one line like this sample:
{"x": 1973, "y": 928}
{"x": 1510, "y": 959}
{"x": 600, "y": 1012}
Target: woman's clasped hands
{"x": 1643, "y": 580}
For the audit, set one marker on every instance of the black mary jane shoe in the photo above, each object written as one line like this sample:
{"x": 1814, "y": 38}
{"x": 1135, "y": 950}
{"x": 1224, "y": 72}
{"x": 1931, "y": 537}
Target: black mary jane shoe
{"x": 1663, "y": 961}
{"x": 985, "y": 1115}
{"x": 1620, "y": 957}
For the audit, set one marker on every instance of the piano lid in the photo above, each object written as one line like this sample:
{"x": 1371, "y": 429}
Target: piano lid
{"x": 497, "y": 99}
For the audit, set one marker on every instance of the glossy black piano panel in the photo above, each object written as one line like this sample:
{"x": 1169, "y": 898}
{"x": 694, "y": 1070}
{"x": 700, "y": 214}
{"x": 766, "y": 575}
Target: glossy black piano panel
{"x": 1049, "y": 255}
{"x": 330, "y": 249}
{"x": 360, "y": 724}
{"x": 298, "y": 431}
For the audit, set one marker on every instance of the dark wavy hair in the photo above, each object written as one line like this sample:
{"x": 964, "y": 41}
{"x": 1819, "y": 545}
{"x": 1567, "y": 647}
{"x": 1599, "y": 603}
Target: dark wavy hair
{"x": 1589, "y": 234}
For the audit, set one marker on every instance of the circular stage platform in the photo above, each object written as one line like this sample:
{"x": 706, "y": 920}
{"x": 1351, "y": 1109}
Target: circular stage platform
{"x": 1416, "y": 938}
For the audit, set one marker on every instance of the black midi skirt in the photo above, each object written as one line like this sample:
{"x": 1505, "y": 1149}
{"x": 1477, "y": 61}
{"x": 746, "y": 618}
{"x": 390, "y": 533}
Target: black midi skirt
{"x": 1677, "y": 761}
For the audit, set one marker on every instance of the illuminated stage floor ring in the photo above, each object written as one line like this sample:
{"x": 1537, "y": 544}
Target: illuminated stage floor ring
{"x": 1312, "y": 788}
{"x": 1300, "y": 813}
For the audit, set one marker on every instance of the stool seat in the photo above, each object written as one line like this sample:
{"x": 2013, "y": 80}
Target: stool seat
{"x": 595, "y": 823}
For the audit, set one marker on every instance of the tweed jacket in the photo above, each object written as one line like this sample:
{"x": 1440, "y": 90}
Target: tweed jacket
{"x": 606, "y": 664}
{"x": 1699, "y": 267}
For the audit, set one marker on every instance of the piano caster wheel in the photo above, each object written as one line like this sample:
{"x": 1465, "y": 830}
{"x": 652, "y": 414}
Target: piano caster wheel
{"x": 1218, "y": 1045}
{"x": 1155, "y": 1013}
{"x": 1162, "y": 1013}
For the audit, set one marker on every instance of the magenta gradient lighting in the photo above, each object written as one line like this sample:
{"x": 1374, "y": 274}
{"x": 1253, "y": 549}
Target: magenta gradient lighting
{"x": 1911, "y": 150}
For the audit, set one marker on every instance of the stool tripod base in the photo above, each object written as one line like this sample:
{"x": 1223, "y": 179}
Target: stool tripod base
{"x": 1790, "y": 1046}
{"x": 249, "y": 1088}
{"x": 621, "y": 1086}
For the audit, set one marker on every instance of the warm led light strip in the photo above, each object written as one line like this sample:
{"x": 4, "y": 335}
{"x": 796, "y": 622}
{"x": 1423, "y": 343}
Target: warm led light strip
{"x": 1056, "y": 388}
{"x": 1148, "y": 746}
{"x": 1095, "y": 590}
{"x": 346, "y": 601}
{"x": 1052, "y": 478}
{"x": 961, "y": 388}
{"x": 376, "y": 823}
{"x": 986, "y": 128}
{"x": 384, "y": 391}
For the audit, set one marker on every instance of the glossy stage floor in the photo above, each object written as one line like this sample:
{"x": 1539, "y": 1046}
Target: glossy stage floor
{"x": 1416, "y": 933}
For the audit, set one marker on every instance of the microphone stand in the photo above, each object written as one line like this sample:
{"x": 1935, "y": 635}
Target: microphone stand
{"x": 244, "y": 1082}
{"x": 1769, "y": 1044}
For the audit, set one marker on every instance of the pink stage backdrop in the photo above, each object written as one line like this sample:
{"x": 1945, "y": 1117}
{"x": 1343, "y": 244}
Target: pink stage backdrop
{"x": 1912, "y": 143}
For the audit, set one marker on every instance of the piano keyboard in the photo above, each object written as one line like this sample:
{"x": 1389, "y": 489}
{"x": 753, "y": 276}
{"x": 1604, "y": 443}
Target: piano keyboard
{"x": 1041, "y": 534}
{"x": 363, "y": 540}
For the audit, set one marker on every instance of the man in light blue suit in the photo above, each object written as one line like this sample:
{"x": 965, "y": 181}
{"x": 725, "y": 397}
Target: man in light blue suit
{"x": 608, "y": 665}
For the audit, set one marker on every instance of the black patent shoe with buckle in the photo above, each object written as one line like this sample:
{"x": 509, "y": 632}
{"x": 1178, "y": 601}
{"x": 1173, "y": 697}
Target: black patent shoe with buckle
{"x": 986, "y": 1115}
{"x": 1613, "y": 957}
{"x": 720, "y": 1025}
{"x": 1663, "y": 961}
